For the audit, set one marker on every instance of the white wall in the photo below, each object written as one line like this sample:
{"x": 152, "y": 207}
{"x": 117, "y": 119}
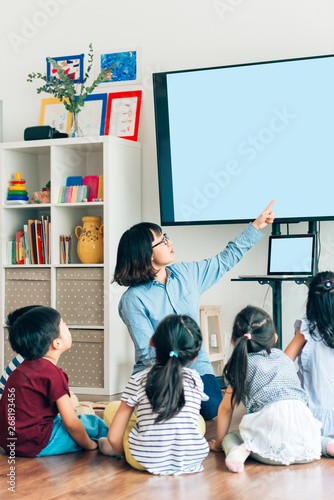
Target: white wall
{"x": 173, "y": 34}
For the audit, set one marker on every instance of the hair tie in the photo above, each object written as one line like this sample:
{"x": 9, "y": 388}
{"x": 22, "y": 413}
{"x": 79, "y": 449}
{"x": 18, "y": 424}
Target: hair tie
{"x": 248, "y": 335}
{"x": 172, "y": 353}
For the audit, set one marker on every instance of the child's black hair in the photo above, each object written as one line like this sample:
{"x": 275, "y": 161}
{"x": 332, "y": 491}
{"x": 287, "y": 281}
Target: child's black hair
{"x": 177, "y": 341}
{"x": 320, "y": 307}
{"x": 32, "y": 330}
{"x": 253, "y": 331}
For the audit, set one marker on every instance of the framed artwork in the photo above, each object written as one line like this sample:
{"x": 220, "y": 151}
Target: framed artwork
{"x": 72, "y": 65}
{"x": 54, "y": 113}
{"x": 92, "y": 117}
{"x": 123, "y": 111}
{"x": 124, "y": 64}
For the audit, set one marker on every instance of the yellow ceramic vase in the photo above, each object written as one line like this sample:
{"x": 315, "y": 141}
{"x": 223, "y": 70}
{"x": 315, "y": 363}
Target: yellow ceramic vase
{"x": 90, "y": 240}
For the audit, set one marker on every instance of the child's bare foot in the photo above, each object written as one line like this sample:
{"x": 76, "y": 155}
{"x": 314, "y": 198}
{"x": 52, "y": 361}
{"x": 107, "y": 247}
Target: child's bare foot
{"x": 327, "y": 446}
{"x": 236, "y": 458}
{"x": 330, "y": 448}
{"x": 106, "y": 448}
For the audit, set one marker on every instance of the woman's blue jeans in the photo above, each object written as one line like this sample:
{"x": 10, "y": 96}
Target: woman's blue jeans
{"x": 209, "y": 409}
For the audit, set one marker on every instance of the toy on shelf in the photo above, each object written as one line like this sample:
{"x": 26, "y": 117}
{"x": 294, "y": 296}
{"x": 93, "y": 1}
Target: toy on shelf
{"x": 100, "y": 190}
{"x": 43, "y": 196}
{"x": 92, "y": 181}
{"x": 17, "y": 192}
{"x": 74, "y": 180}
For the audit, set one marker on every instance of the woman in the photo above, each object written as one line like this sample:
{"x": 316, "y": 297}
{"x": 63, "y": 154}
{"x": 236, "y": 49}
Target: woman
{"x": 157, "y": 289}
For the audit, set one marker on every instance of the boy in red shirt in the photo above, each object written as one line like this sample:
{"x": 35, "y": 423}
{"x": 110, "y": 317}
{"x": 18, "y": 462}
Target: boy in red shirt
{"x": 36, "y": 415}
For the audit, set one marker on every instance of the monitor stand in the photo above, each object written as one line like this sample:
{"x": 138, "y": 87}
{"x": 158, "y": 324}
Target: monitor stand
{"x": 276, "y": 284}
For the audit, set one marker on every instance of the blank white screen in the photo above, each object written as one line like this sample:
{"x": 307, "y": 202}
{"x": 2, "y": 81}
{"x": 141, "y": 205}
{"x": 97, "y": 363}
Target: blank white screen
{"x": 291, "y": 255}
{"x": 241, "y": 136}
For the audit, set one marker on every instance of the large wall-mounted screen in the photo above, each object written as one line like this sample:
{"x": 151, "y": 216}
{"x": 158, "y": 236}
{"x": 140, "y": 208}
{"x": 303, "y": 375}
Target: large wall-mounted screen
{"x": 232, "y": 138}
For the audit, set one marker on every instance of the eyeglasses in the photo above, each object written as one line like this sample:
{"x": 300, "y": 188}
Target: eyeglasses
{"x": 164, "y": 240}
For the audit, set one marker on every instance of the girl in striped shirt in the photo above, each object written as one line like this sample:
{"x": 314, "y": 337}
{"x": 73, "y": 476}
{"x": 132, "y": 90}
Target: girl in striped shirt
{"x": 166, "y": 437}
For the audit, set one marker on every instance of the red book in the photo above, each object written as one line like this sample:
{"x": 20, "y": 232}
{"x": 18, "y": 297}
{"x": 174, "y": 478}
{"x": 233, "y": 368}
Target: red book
{"x": 19, "y": 252}
{"x": 21, "y": 247}
{"x": 39, "y": 247}
{"x": 69, "y": 194}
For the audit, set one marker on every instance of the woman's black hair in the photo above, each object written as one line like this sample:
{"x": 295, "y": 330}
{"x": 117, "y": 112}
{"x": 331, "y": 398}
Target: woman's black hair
{"x": 320, "y": 307}
{"x": 32, "y": 330}
{"x": 134, "y": 255}
{"x": 177, "y": 341}
{"x": 261, "y": 329}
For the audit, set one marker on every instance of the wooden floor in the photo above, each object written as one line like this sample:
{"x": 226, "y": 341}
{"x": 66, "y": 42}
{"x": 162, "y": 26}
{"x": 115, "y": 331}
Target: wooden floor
{"x": 90, "y": 475}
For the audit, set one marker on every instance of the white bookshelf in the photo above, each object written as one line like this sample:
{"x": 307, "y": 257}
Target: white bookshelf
{"x": 119, "y": 161}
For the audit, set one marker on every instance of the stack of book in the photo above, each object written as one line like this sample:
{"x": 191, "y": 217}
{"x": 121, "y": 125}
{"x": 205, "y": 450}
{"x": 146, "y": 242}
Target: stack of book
{"x": 65, "y": 248}
{"x": 73, "y": 194}
{"x": 32, "y": 245}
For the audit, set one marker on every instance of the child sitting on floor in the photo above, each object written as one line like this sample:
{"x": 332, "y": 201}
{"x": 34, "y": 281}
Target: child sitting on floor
{"x": 15, "y": 362}
{"x": 314, "y": 345}
{"x": 167, "y": 437}
{"x": 37, "y": 390}
{"x": 278, "y": 428}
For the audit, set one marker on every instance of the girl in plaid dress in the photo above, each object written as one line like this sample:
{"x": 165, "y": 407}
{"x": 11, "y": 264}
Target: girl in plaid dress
{"x": 278, "y": 428}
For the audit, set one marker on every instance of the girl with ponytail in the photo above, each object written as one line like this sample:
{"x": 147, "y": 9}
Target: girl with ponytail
{"x": 166, "y": 436}
{"x": 278, "y": 428}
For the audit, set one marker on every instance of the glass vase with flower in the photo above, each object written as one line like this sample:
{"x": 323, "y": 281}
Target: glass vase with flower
{"x": 61, "y": 84}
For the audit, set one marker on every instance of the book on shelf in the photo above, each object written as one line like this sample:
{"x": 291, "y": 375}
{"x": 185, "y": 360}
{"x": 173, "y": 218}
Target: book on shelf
{"x": 33, "y": 241}
{"x": 73, "y": 194}
{"x": 68, "y": 199}
{"x": 27, "y": 252}
{"x": 63, "y": 195}
{"x": 19, "y": 247}
{"x": 11, "y": 252}
{"x": 9, "y": 249}
{"x": 32, "y": 244}
{"x": 60, "y": 193}
{"x": 65, "y": 248}
{"x": 39, "y": 247}
{"x": 46, "y": 238}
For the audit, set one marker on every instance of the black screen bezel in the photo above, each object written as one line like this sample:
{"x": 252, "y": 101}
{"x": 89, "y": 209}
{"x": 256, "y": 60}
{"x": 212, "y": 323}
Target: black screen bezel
{"x": 286, "y": 236}
{"x": 166, "y": 200}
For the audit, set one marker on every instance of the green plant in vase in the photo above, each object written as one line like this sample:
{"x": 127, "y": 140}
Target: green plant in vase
{"x": 61, "y": 85}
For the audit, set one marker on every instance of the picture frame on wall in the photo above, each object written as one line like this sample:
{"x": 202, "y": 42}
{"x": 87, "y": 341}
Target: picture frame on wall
{"x": 54, "y": 114}
{"x": 92, "y": 117}
{"x": 123, "y": 112}
{"x": 72, "y": 65}
{"x": 125, "y": 66}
